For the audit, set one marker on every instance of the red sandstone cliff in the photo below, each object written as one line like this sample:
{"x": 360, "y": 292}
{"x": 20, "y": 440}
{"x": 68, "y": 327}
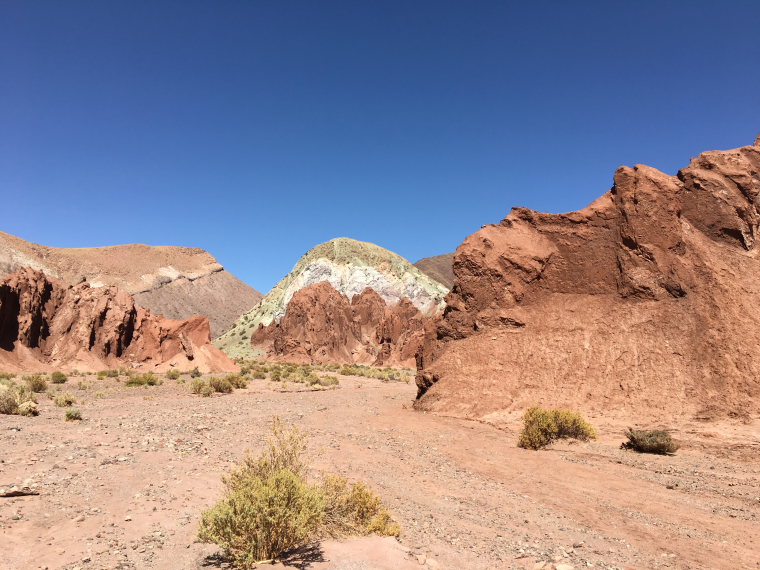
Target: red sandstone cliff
{"x": 322, "y": 326}
{"x": 646, "y": 301}
{"x": 46, "y": 324}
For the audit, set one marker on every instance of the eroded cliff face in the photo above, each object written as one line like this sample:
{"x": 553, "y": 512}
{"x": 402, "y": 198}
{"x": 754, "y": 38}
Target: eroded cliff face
{"x": 178, "y": 282}
{"x": 350, "y": 267}
{"x": 646, "y": 301}
{"x": 324, "y": 326}
{"x": 46, "y": 324}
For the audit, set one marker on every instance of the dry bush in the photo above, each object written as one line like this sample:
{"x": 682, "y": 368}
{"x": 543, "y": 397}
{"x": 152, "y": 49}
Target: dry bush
{"x": 541, "y": 427}
{"x": 206, "y": 390}
{"x": 197, "y": 384}
{"x": 35, "y": 382}
{"x": 650, "y": 441}
{"x": 328, "y": 381}
{"x": 173, "y": 374}
{"x": 58, "y": 377}
{"x": 220, "y": 385}
{"x": 64, "y": 400}
{"x": 269, "y": 507}
{"x": 109, "y": 373}
{"x": 195, "y": 373}
{"x": 352, "y": 509}
{"x": 73, "y": 415}
{"x": 236, "y": 380}
{"x": 17, "y": 400}
{"x": 147, "y": 379}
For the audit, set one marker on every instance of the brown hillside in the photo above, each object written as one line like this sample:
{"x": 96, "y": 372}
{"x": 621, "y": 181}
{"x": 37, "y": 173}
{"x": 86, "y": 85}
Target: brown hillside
{"x": 178, "y": 282}
{"x": 646, "y": 301}
{"x": 46, "y": 324}
{"x": 439, "y": 268}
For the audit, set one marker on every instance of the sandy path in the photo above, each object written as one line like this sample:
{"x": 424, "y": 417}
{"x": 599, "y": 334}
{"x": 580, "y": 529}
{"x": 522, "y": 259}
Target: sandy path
{"x": 124, "y": 488}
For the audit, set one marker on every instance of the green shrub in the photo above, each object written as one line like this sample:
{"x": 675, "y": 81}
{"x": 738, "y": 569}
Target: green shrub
{"x": 110, "y": 373}
{"x": 541, "y": 427}
{"x": 236, "y": 380}
{"x": 269, "y": 507}
{"x": 64, "y": 400}
{"x": 260, "y": 519}
{"x": 276, "y": 374}
{"x": 220, "y": 385}
{"x": 36, "y": 382}
{"x": 58, "y": 377}
{"x": 173, "y": 374}
{"x": 195, "y": 373}
{"x": 650, "y": 441}
{"x": 147, "y": 379}
{"x": 197, "y": 384}
{"x": 73, "y": 415}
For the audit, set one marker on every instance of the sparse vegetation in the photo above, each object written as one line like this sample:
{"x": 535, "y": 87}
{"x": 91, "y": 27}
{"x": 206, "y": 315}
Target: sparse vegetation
{"x": 541, "y": 427}
{"x": 269, "y": 506}
{"x": 220, "y": 385}
{"x": 35, "y": 382}
{"x": 73, "y": 415}
{"x": 147, "y": 379}
{"x": 197, "y": 384}
{"x": 173, "y": 374}
{"x": 64, "y": 400}
{"x": 195, "y": 373}
{"x": 58, "y": 377}
{"x": 206, "y": 390}
{"x": 236, "y": 381}
{"x": 650, "y": 441}
{"x": 109, "y": 374}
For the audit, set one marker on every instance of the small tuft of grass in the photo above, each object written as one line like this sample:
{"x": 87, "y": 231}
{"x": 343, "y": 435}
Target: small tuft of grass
{"x": 541, "y": 427}
{"x": 650, "y": 441}
{"x": 73, "y": 415}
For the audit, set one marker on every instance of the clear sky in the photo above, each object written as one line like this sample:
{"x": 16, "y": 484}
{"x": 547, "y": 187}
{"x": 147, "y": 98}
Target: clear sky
{"x": 256, "y": 130}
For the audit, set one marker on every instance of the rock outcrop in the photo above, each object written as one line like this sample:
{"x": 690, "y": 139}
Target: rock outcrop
{"x": 46, "y": 324}
{"x": 178, "y": 282}
{"x": 439, "y": 267}
{"x": 350, "y": 267}
{"x": 644, "y": 302}
{"x": 322, "y": 325}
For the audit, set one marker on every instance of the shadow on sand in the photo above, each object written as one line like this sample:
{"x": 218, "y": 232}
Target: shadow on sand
{"x": 301, "y": 558}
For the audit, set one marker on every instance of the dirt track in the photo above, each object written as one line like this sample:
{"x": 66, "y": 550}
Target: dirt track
{"x": 124, "y": 488}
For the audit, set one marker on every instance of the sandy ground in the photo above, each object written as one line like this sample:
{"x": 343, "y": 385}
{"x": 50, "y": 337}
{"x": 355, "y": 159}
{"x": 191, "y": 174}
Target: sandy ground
{"x": 124, "y": 488}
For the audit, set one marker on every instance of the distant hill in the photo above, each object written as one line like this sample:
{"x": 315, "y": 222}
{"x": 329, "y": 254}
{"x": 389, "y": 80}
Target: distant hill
{"x": 178, "y": 282}
{"x": 350, "y": 267}
{"x": 438, "y": 267}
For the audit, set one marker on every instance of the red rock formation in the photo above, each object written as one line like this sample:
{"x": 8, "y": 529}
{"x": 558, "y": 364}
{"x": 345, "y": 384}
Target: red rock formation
{"x": 322, "y": 326}
{"x": 646, "y": 301}
{"x": 45, "y": 324}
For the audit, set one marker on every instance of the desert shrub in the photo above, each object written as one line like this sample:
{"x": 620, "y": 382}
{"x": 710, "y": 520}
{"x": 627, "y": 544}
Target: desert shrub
{"x": 197, "y": 384}
{"x": 72, "y": 415}
{"x": 35, "y": 382}
{"x": 147, "y": 379}
{"x": 173, "y": 374}
{"x": 7, "y": 375}
{"x": 206, "y": 390}
{"x": 58, "y": 377}
{"x": 17, "y": 400}
{"x": 259, "y": 374}
{"x": 328, "y": 381}
{"x": 236, "y": 381}
{"x": 650, "y": 441}
{"x": 195, "y": 373}
{"x": 353, "y": 509}
{"x": 269, "y": 507}
{"x": 259, "y": 518}
{"x": 220, "y": 385}
{"x": 110, "y": 373}
{"x": 84, "y": 385}
{"x": 276, "y": 374}
{"x": 541, "y": 427}
{"x": 64, "y": 400}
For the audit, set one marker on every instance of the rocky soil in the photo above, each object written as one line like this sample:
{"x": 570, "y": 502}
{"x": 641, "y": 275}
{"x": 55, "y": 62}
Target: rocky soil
{"x": 124, "y": 487}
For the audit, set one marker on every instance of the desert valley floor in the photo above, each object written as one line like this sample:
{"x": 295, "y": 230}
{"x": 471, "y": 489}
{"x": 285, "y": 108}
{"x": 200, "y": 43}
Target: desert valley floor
{"x": 124, "y": 488}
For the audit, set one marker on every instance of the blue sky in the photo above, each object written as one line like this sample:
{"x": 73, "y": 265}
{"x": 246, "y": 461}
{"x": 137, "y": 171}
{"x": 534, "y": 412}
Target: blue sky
{"x": 256, "y": 130}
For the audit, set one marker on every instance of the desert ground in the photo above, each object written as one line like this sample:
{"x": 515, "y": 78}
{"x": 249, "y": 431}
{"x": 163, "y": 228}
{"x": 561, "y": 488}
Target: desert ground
{"x": 124, "y": 487}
